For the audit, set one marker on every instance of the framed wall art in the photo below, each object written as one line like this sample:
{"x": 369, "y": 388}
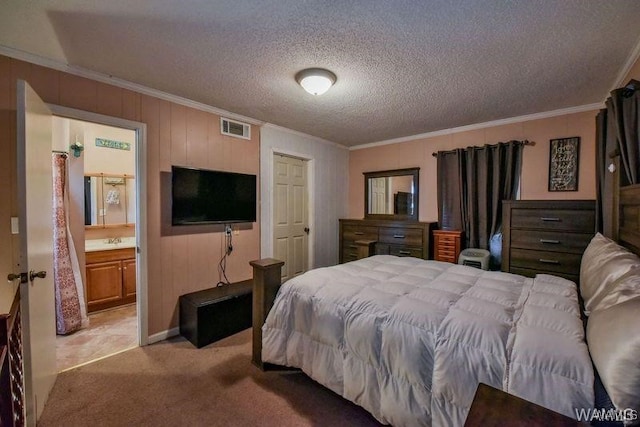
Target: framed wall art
{"x": 564, "y": 156}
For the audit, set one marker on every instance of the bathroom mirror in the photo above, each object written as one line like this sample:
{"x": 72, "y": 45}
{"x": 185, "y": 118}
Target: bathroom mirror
{"x": 391, "y": 194}
{"x": 109, "y": 200}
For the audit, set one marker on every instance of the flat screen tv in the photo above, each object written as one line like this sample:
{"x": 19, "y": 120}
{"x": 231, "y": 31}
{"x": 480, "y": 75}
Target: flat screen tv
{"x": 201, "y": 196}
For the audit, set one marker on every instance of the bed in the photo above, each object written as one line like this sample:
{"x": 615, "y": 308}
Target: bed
{"x": 409, "y": 340}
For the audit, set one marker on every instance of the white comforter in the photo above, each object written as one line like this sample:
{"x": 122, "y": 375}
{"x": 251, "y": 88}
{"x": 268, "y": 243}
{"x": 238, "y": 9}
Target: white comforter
{"x": 409, "y": 340}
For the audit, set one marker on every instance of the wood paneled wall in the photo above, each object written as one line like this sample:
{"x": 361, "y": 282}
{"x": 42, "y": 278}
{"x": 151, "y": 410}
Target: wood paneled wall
{"x": 177, "y": 263}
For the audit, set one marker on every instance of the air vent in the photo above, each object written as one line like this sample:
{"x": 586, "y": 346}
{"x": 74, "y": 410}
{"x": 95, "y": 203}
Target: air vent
{"x": 236, "y": 129}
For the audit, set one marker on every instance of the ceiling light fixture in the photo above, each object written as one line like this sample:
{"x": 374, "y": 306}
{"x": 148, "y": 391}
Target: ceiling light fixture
{"x": 316, "y": 81}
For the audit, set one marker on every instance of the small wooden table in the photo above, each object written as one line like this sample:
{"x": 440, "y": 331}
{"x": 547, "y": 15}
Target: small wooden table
{"x": 492, "y": 407}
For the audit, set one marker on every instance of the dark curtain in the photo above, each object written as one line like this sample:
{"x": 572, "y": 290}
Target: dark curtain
{"x": 472, "y": 183}
{"x": 601, "y": 168}
{"x": 617, "y": 135}
{"x": 622, "y": 107}
{"x": 451, "y": 175}
{"x": 493, "y": 175}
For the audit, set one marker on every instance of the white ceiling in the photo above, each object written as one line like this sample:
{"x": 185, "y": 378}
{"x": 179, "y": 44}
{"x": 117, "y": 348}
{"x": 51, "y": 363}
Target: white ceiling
{"x": 404, "y": 67}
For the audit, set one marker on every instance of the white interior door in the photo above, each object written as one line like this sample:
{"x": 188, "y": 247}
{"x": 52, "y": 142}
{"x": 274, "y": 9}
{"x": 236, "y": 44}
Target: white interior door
{"x": 290, "y": 219}
{"x": 34, "y": 138}
{"x": 378, "y": 198}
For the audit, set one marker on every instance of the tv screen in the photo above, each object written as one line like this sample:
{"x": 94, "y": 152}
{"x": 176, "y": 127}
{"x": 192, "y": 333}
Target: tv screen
{"x": 200, "y": 196}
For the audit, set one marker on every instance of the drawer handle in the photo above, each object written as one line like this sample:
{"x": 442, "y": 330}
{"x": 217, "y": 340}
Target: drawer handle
{"x": 359, "y": 233}
{"x": 353, "y": 247}
{"x": 404, "y": 252}
{"x": 550, "y": 219}
{"x": 398, "y": 236}
{"x": 549, "y": 261}
{"x": 553, "y": 242}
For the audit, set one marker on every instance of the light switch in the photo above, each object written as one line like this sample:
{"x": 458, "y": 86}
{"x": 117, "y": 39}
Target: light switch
{"x": 15, "y": 226}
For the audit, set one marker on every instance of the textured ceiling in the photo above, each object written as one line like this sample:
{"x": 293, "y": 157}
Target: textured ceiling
{"x": 403, "y": 67}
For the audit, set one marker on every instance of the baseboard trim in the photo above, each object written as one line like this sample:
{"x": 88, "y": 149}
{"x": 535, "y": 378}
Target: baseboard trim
{"x": 161, "y": 336}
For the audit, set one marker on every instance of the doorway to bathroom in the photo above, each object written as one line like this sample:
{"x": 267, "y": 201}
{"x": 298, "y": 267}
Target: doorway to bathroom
{"x": 101, "y": 186}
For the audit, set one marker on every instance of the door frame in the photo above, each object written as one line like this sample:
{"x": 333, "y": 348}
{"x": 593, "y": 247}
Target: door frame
{"x": 141, "y": 203}
{"x": 267, "y": 246}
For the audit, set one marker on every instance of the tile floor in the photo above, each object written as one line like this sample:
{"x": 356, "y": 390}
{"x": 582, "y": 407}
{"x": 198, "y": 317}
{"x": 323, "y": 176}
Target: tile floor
{"x": 109, "y": 332}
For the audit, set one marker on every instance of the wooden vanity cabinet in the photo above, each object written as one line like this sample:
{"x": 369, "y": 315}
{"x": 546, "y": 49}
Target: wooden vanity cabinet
{"x": 129, "y": 278}
{"x": 400, "y": 238}
{"x": 111, "y": 278}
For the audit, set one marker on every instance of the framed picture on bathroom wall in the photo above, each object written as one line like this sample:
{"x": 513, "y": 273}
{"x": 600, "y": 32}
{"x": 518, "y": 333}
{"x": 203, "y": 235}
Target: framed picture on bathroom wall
{"x": 564, "y": 157}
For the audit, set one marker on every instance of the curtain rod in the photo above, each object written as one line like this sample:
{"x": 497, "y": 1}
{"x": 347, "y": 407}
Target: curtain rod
{"x": 629, "y": 89}
{"x": 525, "y": 142}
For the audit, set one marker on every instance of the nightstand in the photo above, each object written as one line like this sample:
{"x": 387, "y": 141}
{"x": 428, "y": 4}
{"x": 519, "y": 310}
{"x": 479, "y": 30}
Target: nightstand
{"x": 495, "y": 408}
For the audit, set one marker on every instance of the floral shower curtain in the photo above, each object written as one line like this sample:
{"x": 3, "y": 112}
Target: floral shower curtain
{"x": 71, "y": 313}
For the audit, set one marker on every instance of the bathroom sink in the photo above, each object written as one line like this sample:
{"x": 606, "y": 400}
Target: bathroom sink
{"x": 92, "y": 245}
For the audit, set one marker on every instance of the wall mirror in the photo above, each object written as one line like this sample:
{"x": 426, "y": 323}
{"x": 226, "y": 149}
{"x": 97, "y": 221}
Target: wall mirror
{"x": 109, "y": 200}
{"x": 391, "y": 194}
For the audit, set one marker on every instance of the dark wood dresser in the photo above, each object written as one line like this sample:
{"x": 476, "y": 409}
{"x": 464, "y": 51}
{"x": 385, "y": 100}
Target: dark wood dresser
{"x": 12, "y": 398}
{"x": 546, "y": 236}
{"x": 447, "y": 245}
{"x": 401, "y": 238}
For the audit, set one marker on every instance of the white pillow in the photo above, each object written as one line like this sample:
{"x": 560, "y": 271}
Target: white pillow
{"x": 614, "y": 343}
{"x": 605, "y": 267}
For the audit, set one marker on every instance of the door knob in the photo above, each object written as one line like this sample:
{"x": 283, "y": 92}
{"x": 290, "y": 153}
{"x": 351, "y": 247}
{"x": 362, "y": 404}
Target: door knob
{"x": 40, "y": 274}
{"x": 15, "y": 276}
{"x": 306, "y": 230}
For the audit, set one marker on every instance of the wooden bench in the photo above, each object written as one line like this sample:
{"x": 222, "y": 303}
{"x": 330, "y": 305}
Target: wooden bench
{"x": 215, "y": 313}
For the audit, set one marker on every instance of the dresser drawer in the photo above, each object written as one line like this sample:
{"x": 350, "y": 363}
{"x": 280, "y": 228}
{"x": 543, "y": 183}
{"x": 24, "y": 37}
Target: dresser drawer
{"x": 448, "y": 250}
{"x": 405, "y": 251}
{"x": 545, "y": 261}
{"x": 349, "y": 253}
{"x": 451, "y": 257}
{"x": 554, "y": 241}
{"x": 553, "y": 219}
{"x": 359, "y": 232}
{"x": 401, "y": 236}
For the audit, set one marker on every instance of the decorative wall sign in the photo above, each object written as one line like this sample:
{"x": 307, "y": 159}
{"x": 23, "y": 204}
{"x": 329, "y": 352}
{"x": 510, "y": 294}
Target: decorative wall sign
{"x": 564, "y": 154}
{"x": 108, "y": 143}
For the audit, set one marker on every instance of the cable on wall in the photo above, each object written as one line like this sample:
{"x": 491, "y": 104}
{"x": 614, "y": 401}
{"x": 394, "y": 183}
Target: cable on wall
{"x": 228, "y": 248}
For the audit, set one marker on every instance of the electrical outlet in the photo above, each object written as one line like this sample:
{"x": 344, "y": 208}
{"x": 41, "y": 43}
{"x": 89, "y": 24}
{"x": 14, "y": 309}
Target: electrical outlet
{"x": 227, "y": 230}
{"x": 236, "y": 231}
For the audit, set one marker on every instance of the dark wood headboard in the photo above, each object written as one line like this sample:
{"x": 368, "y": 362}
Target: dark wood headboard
{"x": 629, "y": 217}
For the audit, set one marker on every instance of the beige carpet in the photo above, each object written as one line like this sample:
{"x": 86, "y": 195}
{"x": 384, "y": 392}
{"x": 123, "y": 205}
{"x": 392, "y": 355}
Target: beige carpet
{"x": 172, "y": 383}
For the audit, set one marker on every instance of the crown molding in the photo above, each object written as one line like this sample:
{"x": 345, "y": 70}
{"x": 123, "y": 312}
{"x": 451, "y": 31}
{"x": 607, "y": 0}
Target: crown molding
{"x": 304, "y": 135}
{"x": 508, "y": 121}
{"x": 124, "y": 84}
{"x": 624, "y": 71}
